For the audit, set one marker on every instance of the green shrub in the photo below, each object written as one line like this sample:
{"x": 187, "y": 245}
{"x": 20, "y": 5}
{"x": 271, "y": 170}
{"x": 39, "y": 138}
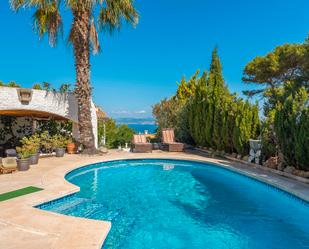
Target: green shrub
{"x": 46, "y": 142}
{"x": 292, "y": 129}
{"x": 37, "y": 86}
{"x": 24, "y": 152}
{"x": 32, "y": 143}
{"x": 13, "y": 84}
{"x": 115, "y": 135}
{"x": 59, "y": 141}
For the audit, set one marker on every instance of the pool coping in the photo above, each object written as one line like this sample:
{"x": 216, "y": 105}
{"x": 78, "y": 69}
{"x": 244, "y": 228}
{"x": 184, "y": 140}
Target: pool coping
{"x": 56, "y": 186}
{"x": 280, "y": 187}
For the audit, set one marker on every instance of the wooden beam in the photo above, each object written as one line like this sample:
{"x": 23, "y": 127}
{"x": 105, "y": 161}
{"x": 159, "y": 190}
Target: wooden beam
{"x": 32, "y": 114}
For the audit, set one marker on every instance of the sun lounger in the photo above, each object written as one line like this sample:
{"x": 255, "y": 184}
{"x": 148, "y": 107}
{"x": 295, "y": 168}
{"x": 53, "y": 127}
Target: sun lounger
{"x": 168, "y": 141}
{"x": 8, "y": 165}
{"x": 140, "y": 144}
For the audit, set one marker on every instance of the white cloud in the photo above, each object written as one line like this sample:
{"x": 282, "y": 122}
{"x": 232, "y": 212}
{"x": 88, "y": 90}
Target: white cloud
{"x": 120, "y": 112}
{"x": 141, "y": 112}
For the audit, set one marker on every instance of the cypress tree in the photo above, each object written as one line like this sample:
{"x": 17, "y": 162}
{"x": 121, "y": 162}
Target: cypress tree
{"x": 213, "y": 117}
{"x": 219, "y": 94}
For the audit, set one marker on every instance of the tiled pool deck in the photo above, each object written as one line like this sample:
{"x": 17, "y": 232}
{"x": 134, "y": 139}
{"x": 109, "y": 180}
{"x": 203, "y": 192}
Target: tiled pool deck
{"x": 23, "y": 226}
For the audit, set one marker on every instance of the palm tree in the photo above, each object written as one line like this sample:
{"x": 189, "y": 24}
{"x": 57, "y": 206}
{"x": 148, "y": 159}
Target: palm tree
{"x": 88, "y": 17}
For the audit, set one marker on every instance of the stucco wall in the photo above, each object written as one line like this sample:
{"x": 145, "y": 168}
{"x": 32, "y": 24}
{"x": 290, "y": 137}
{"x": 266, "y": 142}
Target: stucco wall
{"x": 61, "y": 104}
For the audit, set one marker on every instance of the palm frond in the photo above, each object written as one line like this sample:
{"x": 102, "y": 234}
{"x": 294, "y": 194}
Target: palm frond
{"x": 94, "y": 39}
{"x": 113, "y": 12}
{"x": 17, "y": 4}
{"x": 47, "y": 20}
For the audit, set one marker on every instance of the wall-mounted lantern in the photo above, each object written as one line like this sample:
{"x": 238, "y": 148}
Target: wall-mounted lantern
{"x": 24, "y": 95}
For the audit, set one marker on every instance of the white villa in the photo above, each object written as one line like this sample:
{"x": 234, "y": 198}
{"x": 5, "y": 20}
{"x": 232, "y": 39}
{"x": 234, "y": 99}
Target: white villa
{"x": 30, "y": 105}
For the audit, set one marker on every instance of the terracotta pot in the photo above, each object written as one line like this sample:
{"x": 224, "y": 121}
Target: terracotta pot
{"x": 71, "y": 148}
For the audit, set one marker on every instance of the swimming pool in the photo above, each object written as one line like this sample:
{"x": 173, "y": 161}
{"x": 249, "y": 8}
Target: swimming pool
{"x": 157, "y": 203}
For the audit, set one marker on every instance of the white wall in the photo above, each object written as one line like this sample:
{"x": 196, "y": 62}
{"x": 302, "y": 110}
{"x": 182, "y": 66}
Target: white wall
{"x": 61, "y": 104}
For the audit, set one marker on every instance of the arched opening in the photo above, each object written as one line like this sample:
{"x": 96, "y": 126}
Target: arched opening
{"x": 15, "y": 124}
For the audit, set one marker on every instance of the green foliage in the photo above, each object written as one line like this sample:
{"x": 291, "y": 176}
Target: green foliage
{"x": 10, "y": 84}
{"x": 24, "y": 152}
{"x": 292, "y": 129}
{"x": 111, "y": 131}
{"x": 59, "y": 141}
{"x": 269, "y": 143}
{"x": 124, "y": 135}
{"x": 245, "y": 126}
{"x": 197, "y": 107}
{"x": 32, "y": 143}
{"x": 115, "y": 135}
{"x": 204, "y": 112}
{"x": 37, "y": 86}
{"x": 54, "y": 127}
{"x": 173, "y": 112}
{"x": 65, "y": 88}
{"x": 217, "y": 118}
{"x": 46, "y": 86}
{"x": 165, "y": 113}
{"x": 286, "y": 63}
{"x": 109, "y": 15}
{"x": 46, "y": 142}
{"x": 30, "y": 146}
{"x": 13, "y": 84}
{"x": 284, "y": 76}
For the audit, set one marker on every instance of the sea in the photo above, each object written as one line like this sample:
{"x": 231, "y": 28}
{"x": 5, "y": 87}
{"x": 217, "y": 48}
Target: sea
{"x": 139, "y": 125}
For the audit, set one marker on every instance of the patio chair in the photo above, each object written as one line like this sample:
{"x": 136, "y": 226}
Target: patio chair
{"x": 168, "y": 141}
{"x": 8, "y": 165}
{"x": 140, "y": 144}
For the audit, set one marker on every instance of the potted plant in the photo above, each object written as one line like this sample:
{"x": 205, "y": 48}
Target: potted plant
{"x": 23, "y": 161}
{"x": 59, "y": 144}
{"x": 46, "y": 142}
{"x": 33, "y": 145}
{"x": 71, "y": 146}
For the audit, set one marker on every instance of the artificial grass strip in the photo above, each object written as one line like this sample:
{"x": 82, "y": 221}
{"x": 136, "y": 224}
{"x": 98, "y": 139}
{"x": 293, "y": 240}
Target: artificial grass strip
{"x": 19, "y": 192}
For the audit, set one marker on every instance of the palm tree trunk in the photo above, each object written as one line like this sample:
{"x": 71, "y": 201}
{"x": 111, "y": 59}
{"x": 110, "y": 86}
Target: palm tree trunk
{"x": 80, "y": 39}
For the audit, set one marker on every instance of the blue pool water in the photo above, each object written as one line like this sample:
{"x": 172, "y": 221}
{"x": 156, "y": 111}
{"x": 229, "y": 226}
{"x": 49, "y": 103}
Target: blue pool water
{"x": 182, "y": 204}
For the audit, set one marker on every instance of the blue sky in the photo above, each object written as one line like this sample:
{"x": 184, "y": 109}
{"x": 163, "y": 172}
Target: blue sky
{"x": 138, "y": 67}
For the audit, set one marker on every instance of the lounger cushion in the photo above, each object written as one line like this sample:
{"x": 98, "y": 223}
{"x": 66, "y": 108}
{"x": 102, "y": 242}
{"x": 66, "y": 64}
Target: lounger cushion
{"x": 168, "y": 136}
{"x": 139, "y": 139}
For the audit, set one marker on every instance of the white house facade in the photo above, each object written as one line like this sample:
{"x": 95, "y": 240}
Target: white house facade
{"x": 29, "y": 105}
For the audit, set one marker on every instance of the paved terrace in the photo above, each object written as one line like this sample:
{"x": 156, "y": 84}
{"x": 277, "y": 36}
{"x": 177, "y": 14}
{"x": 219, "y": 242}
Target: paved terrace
{"x": 22, "y": 226}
